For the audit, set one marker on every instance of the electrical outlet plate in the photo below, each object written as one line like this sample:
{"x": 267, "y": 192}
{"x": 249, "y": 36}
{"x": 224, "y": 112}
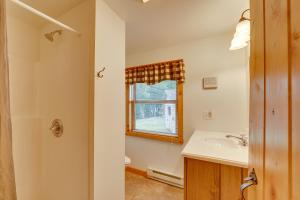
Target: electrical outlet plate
{"x": 208, "y": 115}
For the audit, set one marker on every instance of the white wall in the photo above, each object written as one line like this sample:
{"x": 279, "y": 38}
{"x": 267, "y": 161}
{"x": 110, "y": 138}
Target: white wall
{"x": 229, "y": 103}
{"x": 109, "y": 120}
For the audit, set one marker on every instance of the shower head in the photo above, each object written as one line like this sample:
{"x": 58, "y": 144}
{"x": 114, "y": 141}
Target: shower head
{"x": 50, "y": 36}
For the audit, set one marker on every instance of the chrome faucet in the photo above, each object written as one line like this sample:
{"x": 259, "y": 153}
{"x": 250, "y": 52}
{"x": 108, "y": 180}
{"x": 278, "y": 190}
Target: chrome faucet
{"x": 243, "y": 140}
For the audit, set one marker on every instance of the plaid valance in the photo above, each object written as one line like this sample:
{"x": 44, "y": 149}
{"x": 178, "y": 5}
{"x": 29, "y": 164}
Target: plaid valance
{"x": 155, "y": 73}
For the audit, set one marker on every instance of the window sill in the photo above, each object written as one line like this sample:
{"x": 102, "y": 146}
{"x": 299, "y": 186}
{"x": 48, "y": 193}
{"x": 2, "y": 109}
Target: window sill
{"x": 164, "y": 138}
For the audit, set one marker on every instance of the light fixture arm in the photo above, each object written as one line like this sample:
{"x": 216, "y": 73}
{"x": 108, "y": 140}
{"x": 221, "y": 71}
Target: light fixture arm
{"x": 243, "y": 18}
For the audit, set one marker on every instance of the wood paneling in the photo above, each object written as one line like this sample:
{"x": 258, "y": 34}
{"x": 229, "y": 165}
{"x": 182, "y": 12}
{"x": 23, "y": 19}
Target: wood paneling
{"x": 212, "y": 181}
{"x": 202, "y": 180}
{"x": 281, "y": 30}
{"x": 277, "y": 100}
{"x": 295, "y": 64}
{"x": 257, "y": 97}
{"x": 230, "y": 182}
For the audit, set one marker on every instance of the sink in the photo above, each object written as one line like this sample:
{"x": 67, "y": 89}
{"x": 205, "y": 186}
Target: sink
{"x": 215, "y": 147}
{"x": 222, "y": 142}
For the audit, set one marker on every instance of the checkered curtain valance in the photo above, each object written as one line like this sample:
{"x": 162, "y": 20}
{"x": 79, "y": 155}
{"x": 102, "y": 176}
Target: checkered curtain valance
{"x": 155, "y": 73}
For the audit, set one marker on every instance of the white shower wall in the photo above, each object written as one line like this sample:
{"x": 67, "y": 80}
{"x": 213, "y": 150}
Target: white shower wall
{"x": 63, "y": 86}
{"x": 23, "y": 49}
{"x": 48, "y": 81}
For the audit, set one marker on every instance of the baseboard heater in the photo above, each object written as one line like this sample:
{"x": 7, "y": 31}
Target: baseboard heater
{"x": 165, "y": 177}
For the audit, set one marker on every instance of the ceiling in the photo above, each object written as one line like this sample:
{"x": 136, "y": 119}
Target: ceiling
{"x": 156, "y": 24}
{"x": 161, "y": 23}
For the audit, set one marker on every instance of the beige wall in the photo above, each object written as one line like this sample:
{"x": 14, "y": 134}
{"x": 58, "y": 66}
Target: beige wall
{"x": 229, "y": 103}
{"x": 50, "y": 80}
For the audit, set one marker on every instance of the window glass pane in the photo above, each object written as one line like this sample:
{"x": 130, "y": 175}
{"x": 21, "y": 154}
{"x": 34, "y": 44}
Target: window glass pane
{"x": 130, "y": 117}
{"x": 157, "y": 118}
{"x": 165, "y": 90}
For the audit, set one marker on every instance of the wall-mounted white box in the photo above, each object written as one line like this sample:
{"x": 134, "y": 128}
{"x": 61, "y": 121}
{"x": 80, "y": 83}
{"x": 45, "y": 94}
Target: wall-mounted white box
{"x": 210, "y": 83}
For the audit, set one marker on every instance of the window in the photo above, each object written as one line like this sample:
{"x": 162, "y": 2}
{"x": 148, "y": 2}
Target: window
{"x": 155, "y": 111}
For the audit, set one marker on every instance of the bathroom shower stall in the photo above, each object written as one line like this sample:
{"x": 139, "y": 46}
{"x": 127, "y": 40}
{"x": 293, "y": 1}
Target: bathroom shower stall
{"x": 59, "y": 111}
{"x": 49, "y": 80}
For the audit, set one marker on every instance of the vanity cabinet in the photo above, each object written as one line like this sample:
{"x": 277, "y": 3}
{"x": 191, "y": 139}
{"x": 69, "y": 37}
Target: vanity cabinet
{"x": 212, "y": 181}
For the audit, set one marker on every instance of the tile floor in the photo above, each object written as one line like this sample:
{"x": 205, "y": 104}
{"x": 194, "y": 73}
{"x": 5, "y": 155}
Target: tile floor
{"x": 141, "y": 188}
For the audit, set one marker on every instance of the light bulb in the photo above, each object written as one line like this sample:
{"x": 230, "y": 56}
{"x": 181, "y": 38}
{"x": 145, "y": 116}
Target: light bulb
{"x": 243, "y": 26}
{"x": 242, "y": 36}
{"x": 238, "y": 43}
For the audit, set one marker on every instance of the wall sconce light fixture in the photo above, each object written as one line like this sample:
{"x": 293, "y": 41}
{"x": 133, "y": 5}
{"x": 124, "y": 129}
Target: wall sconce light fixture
{"x": 242, "y": 33}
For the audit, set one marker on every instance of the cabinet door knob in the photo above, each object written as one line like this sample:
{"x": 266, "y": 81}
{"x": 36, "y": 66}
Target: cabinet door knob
{"x": 99, "y": 74}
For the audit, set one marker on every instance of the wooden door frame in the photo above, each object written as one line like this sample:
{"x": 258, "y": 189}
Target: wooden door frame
{"x": 257, "y": 97}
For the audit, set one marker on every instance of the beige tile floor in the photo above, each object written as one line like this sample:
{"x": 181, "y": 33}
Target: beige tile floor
{"x": 141, "y": 188}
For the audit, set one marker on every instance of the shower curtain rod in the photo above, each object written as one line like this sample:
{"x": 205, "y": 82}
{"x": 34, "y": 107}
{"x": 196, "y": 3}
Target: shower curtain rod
{"x": 39, "y": 13}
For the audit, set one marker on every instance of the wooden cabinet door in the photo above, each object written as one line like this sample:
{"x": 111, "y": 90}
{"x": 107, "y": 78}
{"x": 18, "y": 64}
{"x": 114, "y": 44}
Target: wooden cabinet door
{"x": 212, "y": 181}
{"x": 274, "y": 101}
{"x": 202, "y": 180}
{"x": 230, "y": 180}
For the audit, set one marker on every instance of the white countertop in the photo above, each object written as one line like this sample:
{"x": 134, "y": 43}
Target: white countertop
{"x": 215, "y": 147}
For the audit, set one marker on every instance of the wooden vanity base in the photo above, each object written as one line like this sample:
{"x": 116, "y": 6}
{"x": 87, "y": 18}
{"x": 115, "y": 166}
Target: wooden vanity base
{"x": 212, "y": 181}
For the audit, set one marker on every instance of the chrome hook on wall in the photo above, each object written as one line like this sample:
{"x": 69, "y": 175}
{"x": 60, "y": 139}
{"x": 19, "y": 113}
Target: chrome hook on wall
{"x": 99, "y": 74}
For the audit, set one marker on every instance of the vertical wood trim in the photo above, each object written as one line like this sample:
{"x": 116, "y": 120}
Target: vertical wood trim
{"x": 257, "y": 96}
{"x": 277, "y": 100}
{"x": 295, "y": 84}
{"x": 185, "y": 178}
{"x": 289, "y": 100}
{"x": 180, "y": 112}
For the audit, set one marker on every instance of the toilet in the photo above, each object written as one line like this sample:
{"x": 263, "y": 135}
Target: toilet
{"x": 127, "y": 161}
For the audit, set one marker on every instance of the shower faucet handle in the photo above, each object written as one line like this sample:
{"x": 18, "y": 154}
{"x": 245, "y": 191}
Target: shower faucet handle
{"x": 57, "y": 127}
